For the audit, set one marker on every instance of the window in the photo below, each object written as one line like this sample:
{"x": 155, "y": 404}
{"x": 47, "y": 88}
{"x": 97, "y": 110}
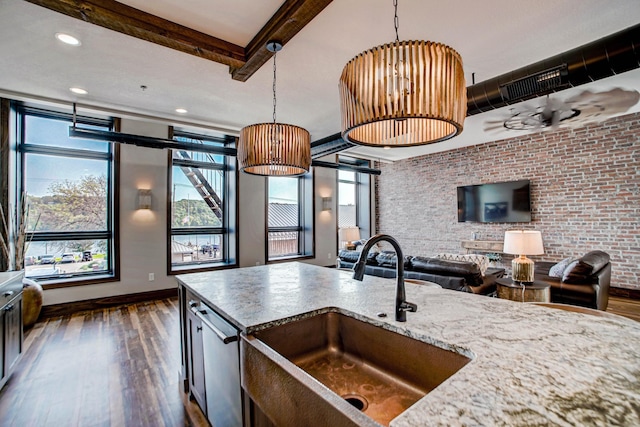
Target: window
{"x": 354, "y": 202}
{"x": 69, "y": 185}
{"x": 347, "y": 196}
{"x": 202, "y": 212}
{"x": 289, "y": 217}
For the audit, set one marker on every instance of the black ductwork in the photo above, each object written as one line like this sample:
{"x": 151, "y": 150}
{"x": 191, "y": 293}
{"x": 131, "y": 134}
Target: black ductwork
{"x": 611, "y": 55}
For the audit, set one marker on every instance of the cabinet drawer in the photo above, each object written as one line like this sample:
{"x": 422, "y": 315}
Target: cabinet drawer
{"x": 9, "y": 291}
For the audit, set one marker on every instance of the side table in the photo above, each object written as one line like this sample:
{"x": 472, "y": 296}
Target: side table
{"x": 537, "y": 291}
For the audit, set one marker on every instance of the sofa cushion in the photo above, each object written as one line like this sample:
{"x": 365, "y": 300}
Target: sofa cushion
{"x": 352, "y": 256}
{"x": 557, "y": 270}
{"x": 468, "y": 270}
{"x": 388, "y": 259}
{"x": 349, "y": 256}
{"x": 580, "y": 270}
{"x": 481, "y": 260}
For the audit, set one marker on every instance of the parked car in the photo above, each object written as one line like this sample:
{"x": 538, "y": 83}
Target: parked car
{"x": 86, "y": 256}
{"x": 47, "y": 259}
{"x": 67, "y": 258}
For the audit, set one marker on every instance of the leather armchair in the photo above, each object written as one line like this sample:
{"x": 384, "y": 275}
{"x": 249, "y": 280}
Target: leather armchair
{"x": 585, "y": 281}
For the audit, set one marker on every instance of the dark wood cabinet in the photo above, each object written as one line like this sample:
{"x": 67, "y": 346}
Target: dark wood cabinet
{"x": 12, "y": 333}
{"x": 10, "y": 323}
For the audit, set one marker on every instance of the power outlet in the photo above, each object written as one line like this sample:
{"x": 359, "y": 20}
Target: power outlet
{"x": 152, "y": 277}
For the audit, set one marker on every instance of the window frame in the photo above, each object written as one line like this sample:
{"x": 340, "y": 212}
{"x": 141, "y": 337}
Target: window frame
{"x": 111, "y": 156}
{"x": 228, "y": 229}
{"x": 363, "y": 183}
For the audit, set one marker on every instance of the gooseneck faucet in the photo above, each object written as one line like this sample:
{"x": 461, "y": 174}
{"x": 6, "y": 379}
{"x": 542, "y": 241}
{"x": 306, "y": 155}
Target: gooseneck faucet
{"x": 402, "y": 306}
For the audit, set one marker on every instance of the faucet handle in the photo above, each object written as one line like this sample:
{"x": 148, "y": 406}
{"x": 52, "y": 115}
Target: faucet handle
{"x": 408, "y": 306}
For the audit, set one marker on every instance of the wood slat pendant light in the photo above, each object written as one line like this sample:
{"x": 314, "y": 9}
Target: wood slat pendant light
{"x": 403, "y": 94}
{"x": 274, "y": 149}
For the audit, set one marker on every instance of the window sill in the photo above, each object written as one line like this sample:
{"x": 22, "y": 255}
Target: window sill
{"x": 289, "y": 259}
{"x": 68, "y": 282}
{"x": 196, "y": 268}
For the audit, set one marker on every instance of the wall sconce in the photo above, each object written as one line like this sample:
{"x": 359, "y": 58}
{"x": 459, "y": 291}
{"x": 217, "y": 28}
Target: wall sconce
{"x": 144, "y": 199}
{"x": 326, "y": 203}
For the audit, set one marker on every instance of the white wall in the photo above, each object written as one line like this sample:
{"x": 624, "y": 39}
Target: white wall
{"x": 143, "y": 234}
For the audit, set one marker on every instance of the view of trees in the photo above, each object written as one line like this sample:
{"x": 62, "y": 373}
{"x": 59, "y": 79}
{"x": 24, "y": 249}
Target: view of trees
{"x": 193, "y": 213}
{"x": 72, "y": 206}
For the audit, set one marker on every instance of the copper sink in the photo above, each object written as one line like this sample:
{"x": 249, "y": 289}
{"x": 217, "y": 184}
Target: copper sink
{"x": 378, "y": 372}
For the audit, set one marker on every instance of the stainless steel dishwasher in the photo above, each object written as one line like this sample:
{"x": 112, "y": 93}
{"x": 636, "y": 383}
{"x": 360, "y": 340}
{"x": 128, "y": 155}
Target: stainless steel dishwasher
{"x": 221, "y": 369}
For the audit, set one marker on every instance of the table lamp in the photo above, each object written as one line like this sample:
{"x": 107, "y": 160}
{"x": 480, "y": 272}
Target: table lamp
{"x": 522, "y": 243}
{"x": 349, "y": 235}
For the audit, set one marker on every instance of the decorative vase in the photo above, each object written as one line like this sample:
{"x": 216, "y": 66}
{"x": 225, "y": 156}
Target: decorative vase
{"x": 31, "y": 301}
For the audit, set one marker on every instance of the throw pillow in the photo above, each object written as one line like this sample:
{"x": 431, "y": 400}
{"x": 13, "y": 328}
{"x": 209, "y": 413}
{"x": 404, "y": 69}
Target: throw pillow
{"x": 581, "y": 269}
{"x": 558, "y": 269}
{"x": 480, "y": 260}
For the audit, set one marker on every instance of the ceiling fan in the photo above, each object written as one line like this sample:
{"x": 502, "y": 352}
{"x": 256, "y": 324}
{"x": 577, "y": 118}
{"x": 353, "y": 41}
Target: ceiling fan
{"x": 587, "y": 107}
{"x": 551, "y": 114}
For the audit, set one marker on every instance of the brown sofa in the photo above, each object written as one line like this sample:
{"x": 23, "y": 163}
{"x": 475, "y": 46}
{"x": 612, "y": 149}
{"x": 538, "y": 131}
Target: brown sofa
{"x": 585, "y": 282}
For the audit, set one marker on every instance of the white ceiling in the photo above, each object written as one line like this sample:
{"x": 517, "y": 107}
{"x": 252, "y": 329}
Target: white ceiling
{"x": 492, "y": 36}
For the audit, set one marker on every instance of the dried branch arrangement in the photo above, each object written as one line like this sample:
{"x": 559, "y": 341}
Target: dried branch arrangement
{"x": 18, "y": 239}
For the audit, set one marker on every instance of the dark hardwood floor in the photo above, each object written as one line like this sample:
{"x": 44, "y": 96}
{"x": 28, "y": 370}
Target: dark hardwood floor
{"x": 116, "y": 367}
{"x": 111, "y": 367}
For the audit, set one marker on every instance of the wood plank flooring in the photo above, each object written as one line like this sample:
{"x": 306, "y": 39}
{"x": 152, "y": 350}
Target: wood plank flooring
{"x": 116, "y": 367}
{"x": 624, "y": 307}
{"x": 111, "y": 367}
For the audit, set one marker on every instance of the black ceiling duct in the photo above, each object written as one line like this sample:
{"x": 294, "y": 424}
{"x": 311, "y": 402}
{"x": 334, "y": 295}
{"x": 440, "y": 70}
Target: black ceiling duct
{"x": 611, "y": 55}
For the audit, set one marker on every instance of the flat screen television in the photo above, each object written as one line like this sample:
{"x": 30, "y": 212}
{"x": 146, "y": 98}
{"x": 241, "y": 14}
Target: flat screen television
{"x": 497, "y": 202}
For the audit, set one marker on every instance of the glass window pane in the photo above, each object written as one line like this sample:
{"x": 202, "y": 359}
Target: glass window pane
{"x": 198, "y": 155}
{"x": 283, "y": 202}
{"x": 196, "y": 248}
{"x": 55, "y": 132}
{"x": 346, "y": 205}
{"x": 283, "y": 243}
{"x": 57, "y": 258}
{"x": 197, "y": 197}
{"x": 67, "y": 194}
{"x": 346, "y": 175}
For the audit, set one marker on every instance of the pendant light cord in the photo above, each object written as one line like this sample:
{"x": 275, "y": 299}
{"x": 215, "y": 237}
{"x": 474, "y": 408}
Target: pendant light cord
{"x": 274, "y": 86}
{"x": 396, "y": 22}
{"x": 272, "y": 158}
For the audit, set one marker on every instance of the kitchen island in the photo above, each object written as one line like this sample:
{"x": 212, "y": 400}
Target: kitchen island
{"x": 531, "y": 365}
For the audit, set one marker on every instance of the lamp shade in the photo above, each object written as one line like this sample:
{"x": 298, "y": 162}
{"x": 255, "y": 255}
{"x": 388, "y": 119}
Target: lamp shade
{"x": 274, "y": 149}
{"x": 402, "y": 94}
{"x": 523, "y": 242}
{"x": 349, "y": 234}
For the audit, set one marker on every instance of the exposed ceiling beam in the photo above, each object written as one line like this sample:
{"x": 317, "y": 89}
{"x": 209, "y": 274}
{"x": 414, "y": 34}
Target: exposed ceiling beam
{"x": 292, "y": 16}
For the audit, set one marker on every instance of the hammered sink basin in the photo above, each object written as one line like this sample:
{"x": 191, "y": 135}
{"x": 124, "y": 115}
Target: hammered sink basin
{"x": 378, "y": 372}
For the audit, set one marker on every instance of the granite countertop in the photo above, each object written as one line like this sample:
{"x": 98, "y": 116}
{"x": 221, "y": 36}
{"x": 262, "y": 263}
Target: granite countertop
{"x": 531, "y": 365}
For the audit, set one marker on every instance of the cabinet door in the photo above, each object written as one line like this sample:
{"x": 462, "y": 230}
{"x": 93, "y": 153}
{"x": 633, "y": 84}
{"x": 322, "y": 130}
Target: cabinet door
{"x": 2, "y": 358}
{"x": 12, "y": 333}
{"x": 196, "y": 360}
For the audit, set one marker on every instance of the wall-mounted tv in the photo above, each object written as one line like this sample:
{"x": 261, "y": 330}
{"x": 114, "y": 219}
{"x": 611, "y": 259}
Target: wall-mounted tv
{"x": 497, "y": 202}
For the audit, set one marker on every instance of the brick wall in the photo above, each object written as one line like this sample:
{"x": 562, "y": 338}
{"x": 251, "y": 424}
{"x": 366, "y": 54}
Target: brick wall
{"x": 585, "y": 194}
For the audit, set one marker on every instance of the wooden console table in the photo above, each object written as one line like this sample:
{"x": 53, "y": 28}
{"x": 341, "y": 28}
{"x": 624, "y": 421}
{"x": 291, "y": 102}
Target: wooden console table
{"x": 483, "y": 245}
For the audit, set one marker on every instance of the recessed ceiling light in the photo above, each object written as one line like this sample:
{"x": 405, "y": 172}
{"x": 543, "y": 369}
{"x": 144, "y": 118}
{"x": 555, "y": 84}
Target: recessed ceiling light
{"x": 181, "y": 111}
{"x": 78, "y": 90}
{"x": 68, "y": 39}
